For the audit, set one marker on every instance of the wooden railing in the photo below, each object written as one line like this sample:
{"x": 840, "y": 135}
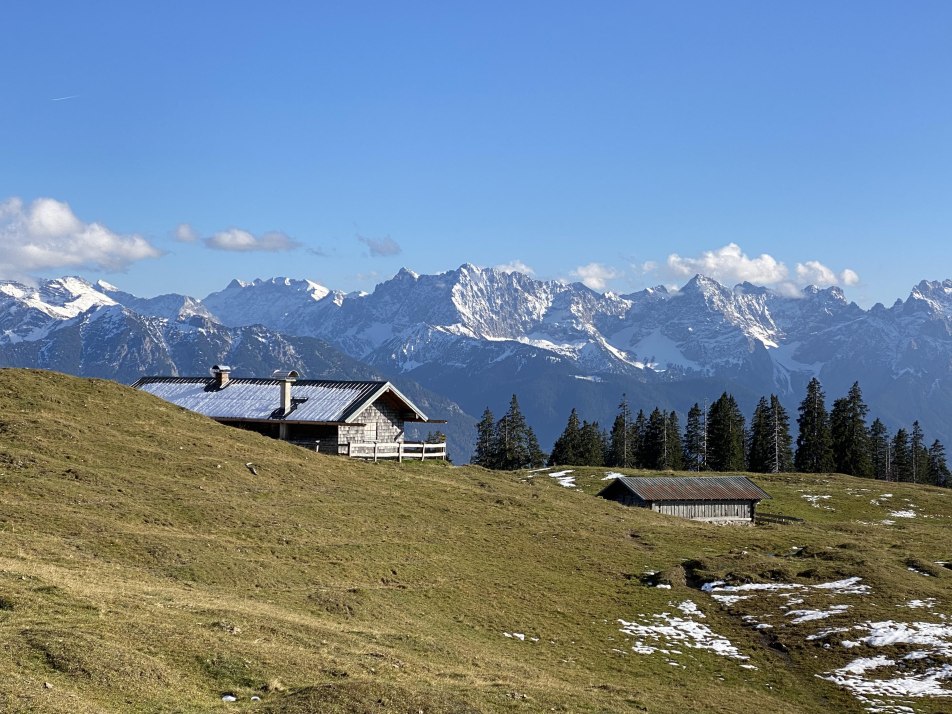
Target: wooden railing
{"x": 399, "y": 450}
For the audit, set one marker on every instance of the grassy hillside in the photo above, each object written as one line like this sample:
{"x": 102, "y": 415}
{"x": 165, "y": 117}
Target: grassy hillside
{"x": 145, "y": 568}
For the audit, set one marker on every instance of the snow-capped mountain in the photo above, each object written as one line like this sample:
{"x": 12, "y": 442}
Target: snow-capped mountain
{"x": 95, "y": 330}
{"x": 478, "y": 335}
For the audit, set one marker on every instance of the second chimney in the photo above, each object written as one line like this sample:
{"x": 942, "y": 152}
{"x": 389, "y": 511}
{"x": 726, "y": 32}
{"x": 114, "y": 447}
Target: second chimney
{"x": 221, "y": 373}
{"x": 287, "y": 378}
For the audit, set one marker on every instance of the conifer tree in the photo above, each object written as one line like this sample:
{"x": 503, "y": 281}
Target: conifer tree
{"x": 638, "y": 429}
{"x": 621, "y": 445}
{"x": 568, "y": 447}
{"x": 725, "y": 429}
{"x": 694, "y": 439}
{"x": 484, "y": 454}
{"x": 918, "y": 454}
{"x": 758, "y": 446}
{"x": 901, "y": 456}
{"x": 779, "y": 441}
{"x": 849, "y": 435}
{"x": 516, "y": 445}
{"x": 879, "y": 451}
{"x": 673, "y": 448}
{"x": 814, "y": 451}
{"x": 938, "y": 469}
{"x": 592, "y": 442}
{"x": 653, "y": 443}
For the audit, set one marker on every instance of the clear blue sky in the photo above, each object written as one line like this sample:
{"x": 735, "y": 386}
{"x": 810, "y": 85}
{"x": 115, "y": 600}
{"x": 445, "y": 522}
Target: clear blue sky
{"x": 341, "y": 141}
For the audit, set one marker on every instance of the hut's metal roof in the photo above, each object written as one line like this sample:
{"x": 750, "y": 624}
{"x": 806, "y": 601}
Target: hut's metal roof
{"x": 693, "y": 488}
{"x": 314, "y": 400}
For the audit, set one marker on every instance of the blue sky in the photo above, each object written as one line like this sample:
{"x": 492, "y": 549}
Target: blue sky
{"x": 174, "y": 146}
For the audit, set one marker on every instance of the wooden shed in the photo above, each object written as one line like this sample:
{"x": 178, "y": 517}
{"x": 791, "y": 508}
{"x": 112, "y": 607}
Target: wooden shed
{"x": 716, "y": 499}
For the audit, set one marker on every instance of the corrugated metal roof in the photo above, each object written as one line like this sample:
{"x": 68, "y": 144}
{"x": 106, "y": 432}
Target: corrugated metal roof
{"x": 693, "y": 488}
{"x": 323, "y": 400}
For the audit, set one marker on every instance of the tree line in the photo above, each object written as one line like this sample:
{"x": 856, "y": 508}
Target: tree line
{"x": 719, "y": 438}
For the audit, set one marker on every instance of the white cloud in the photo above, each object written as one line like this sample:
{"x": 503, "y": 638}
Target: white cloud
{"x": 730, "y": 265}
{"x": 515, "y": 266}
{"x": 238, "y": 240}
{"x": 46, "y": 234}
{"x": 595, "y": 275}
{"x": 849, "y": 277}
{"x": 814, "y": 272}
{"x": 381, "y": 247}
{"x": 649, "y": 266}
{"x": 184, "y": 233}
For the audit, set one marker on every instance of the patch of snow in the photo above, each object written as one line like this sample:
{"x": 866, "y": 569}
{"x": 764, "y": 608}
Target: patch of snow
{"x": 563, "y": 478}
{"x": 814, "y": 500}
{"x": 902, "y": 514}
{"x": 689, "y": 607}
{"x": 826, "y": 633}
{"x": 847, "y": 586}
{"x": 730, "y": 599}
{"x": 610, "y": 475}
{"x": 810, "y": 615}
{"x": 667, "y": 629}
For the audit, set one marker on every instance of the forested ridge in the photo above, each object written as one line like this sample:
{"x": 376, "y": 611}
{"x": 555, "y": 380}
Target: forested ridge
{"x": 717, "y": 437}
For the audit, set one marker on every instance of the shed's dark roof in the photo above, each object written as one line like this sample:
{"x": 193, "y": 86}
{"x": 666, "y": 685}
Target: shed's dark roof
{"x": 316, "y": 400}
{"x": 692, "y": 488}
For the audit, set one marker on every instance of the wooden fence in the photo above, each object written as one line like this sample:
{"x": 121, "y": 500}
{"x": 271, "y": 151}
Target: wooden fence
{"x": 399, "y": 450}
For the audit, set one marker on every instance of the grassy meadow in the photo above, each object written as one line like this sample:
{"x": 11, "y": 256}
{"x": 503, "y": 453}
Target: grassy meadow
{"x": 145, "y": 568}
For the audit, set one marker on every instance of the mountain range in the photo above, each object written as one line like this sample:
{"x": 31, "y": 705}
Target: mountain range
{"x": 476, "y": 336}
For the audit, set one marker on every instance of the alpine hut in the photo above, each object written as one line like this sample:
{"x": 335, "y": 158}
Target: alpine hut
{"x": 356, "y": 418}
{"x": 716, "y": 499}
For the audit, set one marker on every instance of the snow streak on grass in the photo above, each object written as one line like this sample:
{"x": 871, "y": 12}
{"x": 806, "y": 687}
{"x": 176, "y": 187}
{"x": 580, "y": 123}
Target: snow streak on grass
{"x": 666, "y": 631}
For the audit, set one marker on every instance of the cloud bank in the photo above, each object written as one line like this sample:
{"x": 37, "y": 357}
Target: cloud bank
{"x": 515, "y": 266}
{"x": 46, "y": 234}
{"x": 595, "y": 275}
{"x": 730, "y": 265}
{"x": 241, "y": 241}
{"x": 381, "y": 247}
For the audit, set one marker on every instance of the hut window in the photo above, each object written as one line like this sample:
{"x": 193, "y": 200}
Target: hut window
{"x": 370, "y": 432}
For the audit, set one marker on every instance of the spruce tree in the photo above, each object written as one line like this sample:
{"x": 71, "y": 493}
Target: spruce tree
{"x": 901, "y": 456}
{"x": 849, "y": 435}
{"x": 814, "y": 451}
{"x": 568, "y": 447}
{"x": 694, "y": 439}
{"x": 516, "y": 445}
{"x": 484, "y": 454}
{"x": 592, "y": 442}
{"x": 638, "y": 429}
{"x": 758, "y": 445}
{"x": 780, "y": 450}
{"x": 653, "y": 443}
{"x": 879, "y": 451}
{"x": 725, "y": 429}
{"x": 621, "y": 444}
{"x": 673, "y": 448}
{"x": 938, "y": 469}
{"x": 918, "y": 454}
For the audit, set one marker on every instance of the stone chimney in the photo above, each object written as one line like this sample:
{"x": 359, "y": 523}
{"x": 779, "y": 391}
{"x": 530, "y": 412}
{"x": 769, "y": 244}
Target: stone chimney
{"x": 221, "y": 373}
{"x": 287, "y": 378}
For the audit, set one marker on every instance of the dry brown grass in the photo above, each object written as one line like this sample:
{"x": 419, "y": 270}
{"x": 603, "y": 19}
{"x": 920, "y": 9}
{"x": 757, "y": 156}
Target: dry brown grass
{"x": 144, "y": 568}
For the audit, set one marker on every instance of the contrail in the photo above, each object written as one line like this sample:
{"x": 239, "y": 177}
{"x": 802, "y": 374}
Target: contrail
{"x": 63, "y": 99}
